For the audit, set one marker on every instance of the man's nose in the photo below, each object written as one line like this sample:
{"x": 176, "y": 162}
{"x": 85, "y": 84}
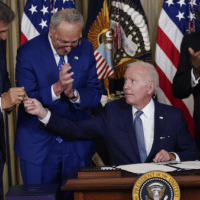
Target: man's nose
{"x": 126, "y": 85}
{"x": 68, "y": 48}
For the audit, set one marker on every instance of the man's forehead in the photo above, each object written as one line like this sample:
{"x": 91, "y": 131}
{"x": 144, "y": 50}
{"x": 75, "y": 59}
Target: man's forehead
{"x": 4, "y": 26}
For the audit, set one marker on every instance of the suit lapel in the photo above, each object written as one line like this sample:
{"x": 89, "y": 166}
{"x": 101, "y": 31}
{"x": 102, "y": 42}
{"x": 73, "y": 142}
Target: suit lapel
{"x": 159, "y": 121}
{"x": 128, "y": 121}
{"x": 48, "y": 59}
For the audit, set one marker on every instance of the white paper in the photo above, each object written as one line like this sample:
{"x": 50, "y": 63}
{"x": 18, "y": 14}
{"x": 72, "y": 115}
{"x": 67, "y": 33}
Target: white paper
{"x": 146, "y": 167}
{"x": 188, "y": 165}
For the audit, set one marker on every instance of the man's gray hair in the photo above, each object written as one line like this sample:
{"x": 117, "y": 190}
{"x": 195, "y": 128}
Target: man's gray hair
{"x": 151, "y": 75}
{"x": 69, "y": 15}
{"x": 6, "y": 14}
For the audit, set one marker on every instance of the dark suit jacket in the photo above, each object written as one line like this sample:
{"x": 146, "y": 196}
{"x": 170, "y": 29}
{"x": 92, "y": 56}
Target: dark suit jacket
{"x": 37, "y": 70}
{"x": 115, "y": 126}
{"x": 4, "y": 87}
{"x": 181, "y": 86}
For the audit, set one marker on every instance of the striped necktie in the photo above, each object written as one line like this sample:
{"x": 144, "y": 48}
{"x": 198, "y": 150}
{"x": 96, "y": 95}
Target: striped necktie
{"x": 60, "y": 64}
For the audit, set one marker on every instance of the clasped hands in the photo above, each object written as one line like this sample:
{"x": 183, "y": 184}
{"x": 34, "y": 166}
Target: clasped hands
{"x": 65, "y": 81}
{"x": 12, "y": 97}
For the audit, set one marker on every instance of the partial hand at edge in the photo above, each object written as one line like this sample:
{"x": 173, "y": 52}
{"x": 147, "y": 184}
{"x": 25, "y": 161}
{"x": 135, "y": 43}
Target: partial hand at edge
{"x": 13, "y": 97}
{"x": 195, "y": 60}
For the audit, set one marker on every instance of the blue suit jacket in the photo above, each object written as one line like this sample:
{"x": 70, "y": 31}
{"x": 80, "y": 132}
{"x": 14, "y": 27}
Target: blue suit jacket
{"x": 36, "y": 70}
{"x": 115, "y": 125}
{"x": 4, "y": 87}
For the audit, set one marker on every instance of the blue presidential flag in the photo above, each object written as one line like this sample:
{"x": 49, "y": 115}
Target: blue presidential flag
{"x": 119, "y": 33}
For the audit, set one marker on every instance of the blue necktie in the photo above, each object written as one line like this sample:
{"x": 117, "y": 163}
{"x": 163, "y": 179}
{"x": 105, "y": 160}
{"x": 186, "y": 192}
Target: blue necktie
{"x": 60, "y": 64}
{"x": 140, "y": 136}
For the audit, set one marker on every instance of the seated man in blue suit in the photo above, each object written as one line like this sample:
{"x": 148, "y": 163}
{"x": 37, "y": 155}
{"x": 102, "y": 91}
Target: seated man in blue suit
{"x": 59, "y": 69}
{"x": 164, "y": 129}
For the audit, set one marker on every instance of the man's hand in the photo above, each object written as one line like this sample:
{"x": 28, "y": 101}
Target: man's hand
{"x": 163, "y": 156}
{"x": 12, "y": 97}
{"x": 195, "y": 60}
{"x": 34, "y": 107}
{"x": 65, "y": 80}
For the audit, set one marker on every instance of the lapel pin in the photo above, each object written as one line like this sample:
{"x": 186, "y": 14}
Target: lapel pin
{"x": 76, "y": 57}
{"x": 161, "y": 117}
{"x": 162, "y": 138}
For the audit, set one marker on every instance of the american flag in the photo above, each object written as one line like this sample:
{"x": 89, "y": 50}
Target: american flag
{"x": 177, "y": 19}
{"x": 37, "y": 15}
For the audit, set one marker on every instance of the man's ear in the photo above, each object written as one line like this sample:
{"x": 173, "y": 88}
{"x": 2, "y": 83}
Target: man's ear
{"x": 151, "y": 87}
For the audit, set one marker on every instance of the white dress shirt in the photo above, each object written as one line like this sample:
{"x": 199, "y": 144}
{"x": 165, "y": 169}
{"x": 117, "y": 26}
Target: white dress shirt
{"x": 57, "y": 58}
{"x": 194, "y": 82}
{"x": 147, "y": 118}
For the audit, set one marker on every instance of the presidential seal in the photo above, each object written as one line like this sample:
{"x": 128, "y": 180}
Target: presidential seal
{"x": 156, "y": 185}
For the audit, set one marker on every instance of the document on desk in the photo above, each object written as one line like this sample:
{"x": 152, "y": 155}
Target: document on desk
{"x": 188, "y": 165}
{"x": 146, "y": 167}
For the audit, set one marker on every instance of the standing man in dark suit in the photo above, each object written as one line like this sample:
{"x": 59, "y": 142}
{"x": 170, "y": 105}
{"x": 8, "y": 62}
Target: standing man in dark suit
{"x": 59, "y": 69}
{"x": 186, "y": 80}
{"x": 9, "y": 97}
{"x": 164, "y": 130}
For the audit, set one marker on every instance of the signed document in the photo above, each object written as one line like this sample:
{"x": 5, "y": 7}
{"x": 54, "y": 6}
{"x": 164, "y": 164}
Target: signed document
{"x": 146, "y": 167}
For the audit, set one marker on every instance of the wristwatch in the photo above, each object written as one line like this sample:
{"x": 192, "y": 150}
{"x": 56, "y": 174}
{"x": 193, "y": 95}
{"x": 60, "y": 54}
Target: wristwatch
{"x": 75, "y": 94}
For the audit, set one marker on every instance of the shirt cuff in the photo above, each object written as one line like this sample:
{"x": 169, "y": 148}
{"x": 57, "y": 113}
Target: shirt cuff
{"x": 54, "y": 97}
{"x": 177, "y": 157}
{"x": 45, "y": 120}
{"x": 194, "y": 82}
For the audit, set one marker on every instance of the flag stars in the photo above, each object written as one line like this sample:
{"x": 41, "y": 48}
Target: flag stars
{"x": 136, "y": 38}
{"x": 169, "y": 2}
{"x": 191, "y": 16}
{"x": 44, "y": 10}
{"x": 139, "y": 50}
{"x": 181, "y": 2}
{"x": 193, "y": 2}
{"x": 55, "y": 10}
{"x": 43, "y": 24}
{"x": 127, "y": 22}
{"x": 180, "y": 15}
{"x": 130, "y": 27}
{"x": 33, "y": 9}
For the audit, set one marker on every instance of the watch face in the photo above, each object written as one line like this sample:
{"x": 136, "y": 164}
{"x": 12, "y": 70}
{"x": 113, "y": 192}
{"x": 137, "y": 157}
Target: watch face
{"x": 75, "y": 93}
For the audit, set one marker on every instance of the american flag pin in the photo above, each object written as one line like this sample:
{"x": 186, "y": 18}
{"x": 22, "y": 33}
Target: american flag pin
{"x": 161, "y": 117}
{"x": 162, "y": 138}
{"x": 76, "y": 57}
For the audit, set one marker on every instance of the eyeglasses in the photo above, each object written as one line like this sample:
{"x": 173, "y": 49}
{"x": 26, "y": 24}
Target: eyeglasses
{"x": 66, "y": 43}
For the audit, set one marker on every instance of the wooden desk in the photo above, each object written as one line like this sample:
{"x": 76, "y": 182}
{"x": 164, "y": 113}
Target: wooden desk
{"x": 120, "y": 188}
